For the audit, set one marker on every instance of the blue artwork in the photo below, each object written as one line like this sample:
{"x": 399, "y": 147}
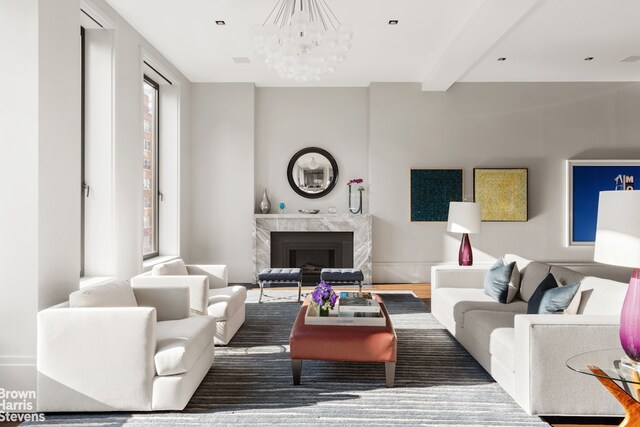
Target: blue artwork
{"x": 588, "y": 180}
{"x": 431, "y": 192}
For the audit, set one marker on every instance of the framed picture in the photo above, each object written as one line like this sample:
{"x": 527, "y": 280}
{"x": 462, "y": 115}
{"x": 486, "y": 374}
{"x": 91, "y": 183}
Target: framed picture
{"x": 502, "y": 193}
{"x": 431, "y": 192}
{"x": 585, "y": 180}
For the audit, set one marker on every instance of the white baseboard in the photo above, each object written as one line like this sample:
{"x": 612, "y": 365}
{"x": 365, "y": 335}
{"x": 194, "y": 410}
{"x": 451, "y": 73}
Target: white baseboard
{"x": 18, "y": 372}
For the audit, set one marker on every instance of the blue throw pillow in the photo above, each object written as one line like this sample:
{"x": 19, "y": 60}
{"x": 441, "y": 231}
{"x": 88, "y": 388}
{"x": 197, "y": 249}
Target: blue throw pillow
{"x": 556, "y": 300}
{"x": 501, "y": 281}
{"x": 549, "y": 298}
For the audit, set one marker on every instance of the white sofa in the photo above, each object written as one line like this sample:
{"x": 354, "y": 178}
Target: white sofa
{"x": 526, "y": 353}
{"x": 116, "y": 352}
{"x": 210, "y": 293}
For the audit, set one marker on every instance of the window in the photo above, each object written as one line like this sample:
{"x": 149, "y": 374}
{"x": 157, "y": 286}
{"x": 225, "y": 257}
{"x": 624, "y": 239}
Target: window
{"x": 150, "y": 173}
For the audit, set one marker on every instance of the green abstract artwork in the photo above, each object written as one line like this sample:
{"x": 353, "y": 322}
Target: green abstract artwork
{"x": 431, "y": 192}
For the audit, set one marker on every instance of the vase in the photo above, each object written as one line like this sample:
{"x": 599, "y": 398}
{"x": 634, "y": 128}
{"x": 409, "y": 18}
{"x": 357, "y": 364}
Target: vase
{"x": 630, "y": 318}
{"x": 324, "y": 312}
{"x": 265, "y": 204}
{"x": 465, "y": 255}
{"x": 355, "y": 202}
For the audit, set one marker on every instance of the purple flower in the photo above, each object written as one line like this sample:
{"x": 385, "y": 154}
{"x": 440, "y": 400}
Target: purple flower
{"x": 324, "y": 295}
{"x": 355, "y": 181}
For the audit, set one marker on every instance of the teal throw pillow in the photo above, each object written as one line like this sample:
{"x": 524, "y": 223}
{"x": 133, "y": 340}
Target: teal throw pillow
{"x": 549, "y": 298}
{"x": 556, "y": 300}
{"x": 502, "y": 281}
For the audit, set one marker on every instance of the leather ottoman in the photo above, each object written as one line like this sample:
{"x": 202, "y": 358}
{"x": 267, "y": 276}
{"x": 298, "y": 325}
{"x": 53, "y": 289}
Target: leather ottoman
{"x": 343, "y": 343}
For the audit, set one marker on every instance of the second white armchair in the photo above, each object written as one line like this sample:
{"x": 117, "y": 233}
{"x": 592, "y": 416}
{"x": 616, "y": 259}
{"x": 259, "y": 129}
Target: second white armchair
{"x": 209, "y": 293}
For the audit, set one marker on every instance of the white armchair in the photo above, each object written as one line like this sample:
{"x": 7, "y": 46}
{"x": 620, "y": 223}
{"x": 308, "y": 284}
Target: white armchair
{"x": 210, "y": 293}
{"x": 142, "y": 353}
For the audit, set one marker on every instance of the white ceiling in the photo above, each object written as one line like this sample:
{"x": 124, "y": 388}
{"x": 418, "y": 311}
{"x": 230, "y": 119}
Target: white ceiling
{"x": 437, "y": 42}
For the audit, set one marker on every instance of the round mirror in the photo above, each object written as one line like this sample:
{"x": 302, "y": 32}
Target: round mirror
{"x": 312, "y": 172}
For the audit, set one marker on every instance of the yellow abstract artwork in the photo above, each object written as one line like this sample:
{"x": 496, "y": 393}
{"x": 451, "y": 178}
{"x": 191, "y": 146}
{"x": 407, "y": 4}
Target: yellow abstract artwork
{"x": 502, "y": 193}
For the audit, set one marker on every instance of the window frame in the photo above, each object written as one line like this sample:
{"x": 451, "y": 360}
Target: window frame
{"x": 83, "y": 180}
{"x": 155, "y": 169}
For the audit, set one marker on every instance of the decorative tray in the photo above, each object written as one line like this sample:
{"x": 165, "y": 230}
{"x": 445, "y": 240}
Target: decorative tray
{"x": 308, "y": 211}
{"x": 336, "y": 318}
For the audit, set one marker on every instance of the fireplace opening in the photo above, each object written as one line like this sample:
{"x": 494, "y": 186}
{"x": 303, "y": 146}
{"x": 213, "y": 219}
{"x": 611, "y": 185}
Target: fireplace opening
{"x": 311, "y": 252}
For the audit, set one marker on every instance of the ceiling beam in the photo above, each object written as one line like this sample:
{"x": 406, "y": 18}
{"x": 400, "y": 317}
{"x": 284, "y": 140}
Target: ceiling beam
{"x": 491, "y": 21}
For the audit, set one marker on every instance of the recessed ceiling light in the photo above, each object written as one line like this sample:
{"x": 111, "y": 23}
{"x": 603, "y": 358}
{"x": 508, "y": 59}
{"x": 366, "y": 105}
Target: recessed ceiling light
{"x": 221, "y": 23}
{"x": 241, "y": 60}
{"x": 502, "y": 59}
{"x": 589, "y": 58}
{"x": 393, "y": 22}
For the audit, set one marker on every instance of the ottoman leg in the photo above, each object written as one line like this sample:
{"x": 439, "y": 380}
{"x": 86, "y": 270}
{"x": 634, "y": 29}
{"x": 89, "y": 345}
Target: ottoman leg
{"x": 296, "y": 370}
{"x": 261, "y": 290}
{"x": 390, "y": 371}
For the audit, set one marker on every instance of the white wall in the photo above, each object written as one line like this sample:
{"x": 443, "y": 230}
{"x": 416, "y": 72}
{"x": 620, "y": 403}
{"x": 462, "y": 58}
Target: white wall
{"x": 537, "y": 126}
{"x": 222, "y": 170}
{"x": 39, "y": 173}
{"x": 289, "y": 119}
{"x": 379, "y": 134}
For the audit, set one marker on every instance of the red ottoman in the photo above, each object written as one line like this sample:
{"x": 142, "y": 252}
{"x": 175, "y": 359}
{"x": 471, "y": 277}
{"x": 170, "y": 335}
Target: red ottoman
{"x": 343, "y": 343}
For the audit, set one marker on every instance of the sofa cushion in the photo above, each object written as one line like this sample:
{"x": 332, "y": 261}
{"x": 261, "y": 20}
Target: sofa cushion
{"x": 532, "y": 276}
{"x": 521, "y": 263}
{"x": 601, "y": 296}
{"x": 224, "y": 302}
{"x": 460, "y": 300}
{"x": 493, "y": 333}
{"x": 181, "y": 342}
{"x": 108, "y": 295}
{"x": 565, "y": 276}
{"x": 502, "y": 281}
{"x": 171, "y": 268}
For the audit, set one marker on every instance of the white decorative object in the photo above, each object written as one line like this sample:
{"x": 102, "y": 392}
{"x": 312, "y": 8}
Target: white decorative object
{"x": 360, "y": 225}
{"x": 302, "y": 39}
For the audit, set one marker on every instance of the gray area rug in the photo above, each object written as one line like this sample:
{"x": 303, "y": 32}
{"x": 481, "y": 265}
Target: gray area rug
{"x": 437, "y": 381}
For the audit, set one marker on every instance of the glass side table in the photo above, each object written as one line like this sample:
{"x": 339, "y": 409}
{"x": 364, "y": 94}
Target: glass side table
{"x": 622, "y": 381}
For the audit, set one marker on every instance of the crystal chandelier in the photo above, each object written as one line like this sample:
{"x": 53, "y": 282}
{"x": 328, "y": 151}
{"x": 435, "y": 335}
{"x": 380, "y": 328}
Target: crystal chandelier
{"x": 302, "y": 40}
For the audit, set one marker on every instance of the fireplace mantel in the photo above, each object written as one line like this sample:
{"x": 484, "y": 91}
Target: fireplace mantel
{"x": 360, "y": 225}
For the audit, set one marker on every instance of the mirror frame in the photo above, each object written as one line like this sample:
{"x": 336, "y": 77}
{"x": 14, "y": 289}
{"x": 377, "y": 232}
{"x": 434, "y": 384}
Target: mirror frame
{"x": 292, "y": 163}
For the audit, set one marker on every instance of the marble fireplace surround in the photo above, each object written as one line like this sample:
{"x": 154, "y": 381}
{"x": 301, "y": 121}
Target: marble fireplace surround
{"x": 360, "y": 225}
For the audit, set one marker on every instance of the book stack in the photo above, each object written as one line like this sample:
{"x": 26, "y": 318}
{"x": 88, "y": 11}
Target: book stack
{"x": 356, "y": 304}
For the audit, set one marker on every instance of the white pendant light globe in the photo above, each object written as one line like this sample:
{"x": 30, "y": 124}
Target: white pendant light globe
{"x": 302, "y": 40}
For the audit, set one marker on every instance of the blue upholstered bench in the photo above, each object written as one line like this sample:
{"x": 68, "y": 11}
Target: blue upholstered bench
{"x": 342, "y": 276}
{"x": 279, "y": 276}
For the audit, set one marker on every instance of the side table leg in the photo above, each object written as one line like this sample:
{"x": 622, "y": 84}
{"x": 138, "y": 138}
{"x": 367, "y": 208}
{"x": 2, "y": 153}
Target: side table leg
{"x": 299, "y": 289}
{"x": 630, "y": 405}
{"x": 296, "y": 370}
{"x": 390, "y": 372}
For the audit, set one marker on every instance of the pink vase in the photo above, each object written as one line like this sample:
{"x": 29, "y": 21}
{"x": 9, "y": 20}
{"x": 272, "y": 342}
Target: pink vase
{"x": 465, "y": 256}
{"x": 630, "y": 318}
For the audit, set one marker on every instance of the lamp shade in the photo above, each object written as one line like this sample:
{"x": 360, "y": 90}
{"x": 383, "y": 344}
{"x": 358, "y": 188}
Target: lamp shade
{"x": 618, "y": 229}
{"x": 464, "y": 217}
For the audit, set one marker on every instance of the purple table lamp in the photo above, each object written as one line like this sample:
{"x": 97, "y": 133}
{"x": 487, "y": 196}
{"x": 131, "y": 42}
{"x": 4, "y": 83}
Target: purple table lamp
{"x": 618, "y": 243}
{"x": 464, "y": 217}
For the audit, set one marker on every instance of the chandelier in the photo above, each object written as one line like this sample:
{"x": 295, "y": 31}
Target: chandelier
{"x": 302, "y": 40}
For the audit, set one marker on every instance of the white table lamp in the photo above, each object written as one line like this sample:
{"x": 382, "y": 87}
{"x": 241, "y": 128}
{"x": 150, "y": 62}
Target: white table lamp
{"x": 464, "y": 217}
{"x": 618, "y": 243}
